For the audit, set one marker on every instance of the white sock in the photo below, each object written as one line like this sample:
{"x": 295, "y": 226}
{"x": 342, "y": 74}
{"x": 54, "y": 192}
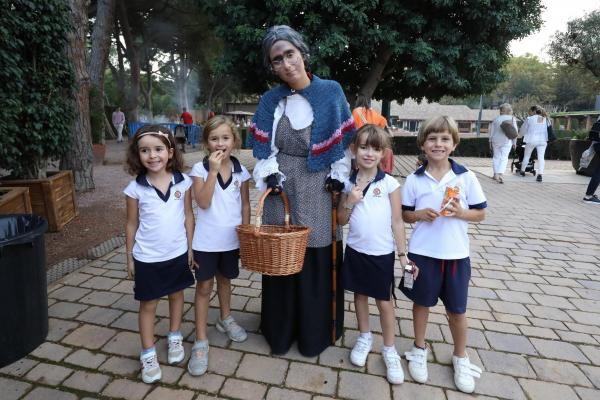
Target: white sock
{"x": 366, "y": 335}
{"x": 386, "y": 349}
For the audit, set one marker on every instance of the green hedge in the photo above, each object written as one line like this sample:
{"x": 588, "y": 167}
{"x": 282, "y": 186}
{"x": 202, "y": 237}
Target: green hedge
{"x": 478, "y": 147}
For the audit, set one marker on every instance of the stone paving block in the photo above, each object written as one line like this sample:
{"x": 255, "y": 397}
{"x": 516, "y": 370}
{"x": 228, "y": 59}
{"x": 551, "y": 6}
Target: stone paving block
{"x": 475, "y": 338}
{"x": 547, "y": 323}
{"x": 502, "y": 386}
{"x": 124, "y": 344}
{"x": 510, "y": 343}
{"x": 121, "y": 274}
{"x": 591, "y": 352}
{"x": 504, "y": 276}
{"x": 410, "y": 390}
{"x": 534, "y": 331}
{"x": 576, "y": 337}
{"x": 483, "y": 293}
{"x": 12, "y": 389}
{"x": 59, "y": 328}
{"x": 488, "y": 283}
{"x": 550, "y": 313}
{"x": 510, "y": 318}
{"x": 125, "y": 287}
{"x": 500, "y": 327}
{"x": 276, "y": 393}
{"x": 585, "y": 304}
{"x": 127, "y": 389}
{"x": 99, "y": 315}
{"x": 163, "y": 393}
{"x": 75, "y": 278}
{"x": 514, "y": 296}
{"x": 86, "y": 359}
{"x": 253, "y": 305}
{"x": 68, "y": 293}
{"x": 311, "y": 378}
{"x": 593, "y": 373}
{"x": 101, "y": 298}
{"x": 439, "y": 375}
{"x": 443, "y": 354}
{"x": 43, "y": 393}
{"x": 254, "y": 344}
{"x": 585, "y": 317}
{"x": 337, "y": 357}
{"x": 51, "y": 351}
{"x": 559, "y": 372}
{"x": 556, "y": 281}
{"x": 262, "y": 369}
{"x": 243, "y": 389}
{"x": 101, "y": 283}
{"x": 127, "y": 303}
{"x": 433, "y": 332}
{"x": 87, "y": 381}
{"x": 210, "y": 383}
{"x": 558, "y": 350}
{"x": 128, "y": 321}
{"x": 355, "y": 385}
{"x": 530, "y": 278}
{"x": 587, "y": 394}
{"x": 125, "y": 367}
{"x": 93, "y": 270}
{"x": 517, "y": 286}
{"x": 48, "y": 374}
{"x": 65, "y": 310}
{"x": 454, "y": 395}
{"x": 537, "y": 390}
{"x": 250, "y": 321}
{"x": 558, "y": 290}
{"x": 89, "y": 336}
{"x": 19, "y": 367}
{"x": 553, "y": 301}
{"x": 222, "y": 361}
{"x": 509, "y": 307}
{"x": 507, "y": 364}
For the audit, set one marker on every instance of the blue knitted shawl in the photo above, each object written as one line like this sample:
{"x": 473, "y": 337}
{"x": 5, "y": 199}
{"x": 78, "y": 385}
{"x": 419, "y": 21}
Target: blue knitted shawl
{"x": 332, "y": 129}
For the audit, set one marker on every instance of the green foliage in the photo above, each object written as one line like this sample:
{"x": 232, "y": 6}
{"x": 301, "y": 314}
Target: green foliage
{"x": 438, "y": 47}
{"x": 35, "y": 84}
{"x": 580, "y": 44}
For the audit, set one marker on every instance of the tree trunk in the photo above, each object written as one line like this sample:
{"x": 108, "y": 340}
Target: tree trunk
{"x": 80, "y": 159}
{"x": 147, "y": 91}
{"x": 133, "y": 55}
{"x": 374, "y": 76}
{"x": 98, "y": 57}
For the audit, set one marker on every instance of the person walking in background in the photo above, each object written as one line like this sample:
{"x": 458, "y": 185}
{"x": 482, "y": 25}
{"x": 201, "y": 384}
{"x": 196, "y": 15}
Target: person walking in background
{"x": 500, "y": 143}
{"x": 300, "y": 134}
{"x": 590, "y": 196}
{"x": 118, "y": 120}
{"x": 186, "y": 117}
{"x": 535, "y": 136}
{"x": 364, "y": 114}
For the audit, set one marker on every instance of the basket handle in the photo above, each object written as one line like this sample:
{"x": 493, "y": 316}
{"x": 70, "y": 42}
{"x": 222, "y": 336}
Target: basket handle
{"x": 259, "y": 210}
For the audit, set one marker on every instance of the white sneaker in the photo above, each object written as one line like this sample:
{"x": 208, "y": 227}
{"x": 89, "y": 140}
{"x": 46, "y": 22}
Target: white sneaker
{"x": 150, "y": 368}
{"x": 464, "y": 374}
{"x": 198, "y": 363}
{"x": 176, "y": 352}
{"x": 417, "y": 364}
{"x": 360, "y": 351}
{"x": 395, "y": 374}
{"x": 233, "y": 330}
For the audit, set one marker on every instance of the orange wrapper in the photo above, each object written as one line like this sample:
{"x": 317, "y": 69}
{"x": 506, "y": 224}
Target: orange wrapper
{"x": 450, "y": 194}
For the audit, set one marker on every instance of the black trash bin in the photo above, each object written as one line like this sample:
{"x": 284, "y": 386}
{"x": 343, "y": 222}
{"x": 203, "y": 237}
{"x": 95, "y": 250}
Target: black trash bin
{"x": 23, "y": 290}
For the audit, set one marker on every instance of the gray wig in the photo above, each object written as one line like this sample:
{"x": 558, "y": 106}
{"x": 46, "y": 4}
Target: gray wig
{"x": 283, "y": 32}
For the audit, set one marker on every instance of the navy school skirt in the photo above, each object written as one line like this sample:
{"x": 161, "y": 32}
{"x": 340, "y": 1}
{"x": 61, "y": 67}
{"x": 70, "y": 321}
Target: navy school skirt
{"x": 370, "y": 275}
{"x": 157, "y": 279}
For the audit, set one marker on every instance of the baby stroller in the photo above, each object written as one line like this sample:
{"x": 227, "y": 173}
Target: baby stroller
{"x": 518, "y": 156}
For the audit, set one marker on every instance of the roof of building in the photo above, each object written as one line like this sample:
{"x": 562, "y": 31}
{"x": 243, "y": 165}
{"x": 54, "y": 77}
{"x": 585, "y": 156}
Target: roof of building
{"x": 410, "y": 109}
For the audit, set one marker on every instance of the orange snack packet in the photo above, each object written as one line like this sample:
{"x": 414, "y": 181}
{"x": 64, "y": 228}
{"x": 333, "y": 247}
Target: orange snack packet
{"x": 450, "y": 194}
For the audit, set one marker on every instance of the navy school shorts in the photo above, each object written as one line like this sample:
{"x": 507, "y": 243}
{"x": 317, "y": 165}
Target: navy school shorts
{"x": 209, "y": 262}
{"x": 447, "y": 280}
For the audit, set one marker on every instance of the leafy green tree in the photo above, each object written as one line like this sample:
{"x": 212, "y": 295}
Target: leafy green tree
{"x": 385, "y": 49}
{"x": 580, "y": 44}
{"x": 526, "y": 76}
{"x": 35, "y": 85}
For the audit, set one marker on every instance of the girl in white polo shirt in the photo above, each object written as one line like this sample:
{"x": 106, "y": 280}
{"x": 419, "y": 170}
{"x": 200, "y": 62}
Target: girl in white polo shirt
{"x": 160, "y": 225}
{"x": 222, "y": 194}
{"x": 372, "y": 207}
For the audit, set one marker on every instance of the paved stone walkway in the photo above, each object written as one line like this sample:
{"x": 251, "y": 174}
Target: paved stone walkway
{"x": 534, "y": 320}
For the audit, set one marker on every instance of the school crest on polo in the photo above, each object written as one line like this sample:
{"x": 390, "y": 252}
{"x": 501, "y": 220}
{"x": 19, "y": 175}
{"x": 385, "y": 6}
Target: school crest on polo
{"x": 376, "y": 192}
{"x": 177, "y": 195}
{"x": 236, "y": 183}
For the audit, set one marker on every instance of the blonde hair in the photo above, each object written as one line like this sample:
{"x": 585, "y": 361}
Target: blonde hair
{"x": 374, "y": 135}
{"x": 506, "y": 109}
{"x": 216, "y": 122}
{"x": 438, "y": 124}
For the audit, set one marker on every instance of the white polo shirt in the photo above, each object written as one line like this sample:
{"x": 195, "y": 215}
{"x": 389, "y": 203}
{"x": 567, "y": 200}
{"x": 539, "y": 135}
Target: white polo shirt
{"x": 371, "y": 219}
{"x": 215, "y": 226}
{"x": 446, "y": 237}
{"x": 161, "y": 232}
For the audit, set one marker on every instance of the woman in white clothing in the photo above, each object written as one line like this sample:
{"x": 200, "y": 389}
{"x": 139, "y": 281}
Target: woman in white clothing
{"x": 499, "y": 143}
{"x": 535, "y": 136}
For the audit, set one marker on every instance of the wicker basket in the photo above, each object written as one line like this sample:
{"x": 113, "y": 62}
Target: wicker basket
{"x": 273, "y": 249}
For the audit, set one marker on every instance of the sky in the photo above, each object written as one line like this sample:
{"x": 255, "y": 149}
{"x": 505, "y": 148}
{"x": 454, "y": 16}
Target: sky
{"x": 555, "y": 17}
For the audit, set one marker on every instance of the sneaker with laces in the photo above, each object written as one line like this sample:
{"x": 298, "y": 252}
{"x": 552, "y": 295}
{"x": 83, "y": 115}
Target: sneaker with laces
{"x": 360, "y": 351}
{"x": 198, "y": 363}
{"x": 464, "y": 374}
{"x": 417, "y": 364}
{"x": 395, "y": 374}
{"x": 591, "y": 200}
{"x": 150, "y": 368}
{"x": 233, "y": 330}
{"x": 176, "y": 352}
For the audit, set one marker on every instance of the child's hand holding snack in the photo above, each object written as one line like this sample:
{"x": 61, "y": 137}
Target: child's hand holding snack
{"x": 450, "y": 198}
{"x": 426, "y": 214}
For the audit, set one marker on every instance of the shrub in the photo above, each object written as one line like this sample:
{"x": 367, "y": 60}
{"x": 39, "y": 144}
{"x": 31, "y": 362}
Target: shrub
{"x": 35, "y": 85}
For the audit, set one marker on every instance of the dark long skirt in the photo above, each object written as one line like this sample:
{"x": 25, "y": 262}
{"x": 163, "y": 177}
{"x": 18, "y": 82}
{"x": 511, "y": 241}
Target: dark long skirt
{"x": 299, "y": 307}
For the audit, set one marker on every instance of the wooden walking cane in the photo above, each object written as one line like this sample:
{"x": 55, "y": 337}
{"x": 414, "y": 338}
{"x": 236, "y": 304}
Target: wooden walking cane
{"x": 334, "y": 198}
